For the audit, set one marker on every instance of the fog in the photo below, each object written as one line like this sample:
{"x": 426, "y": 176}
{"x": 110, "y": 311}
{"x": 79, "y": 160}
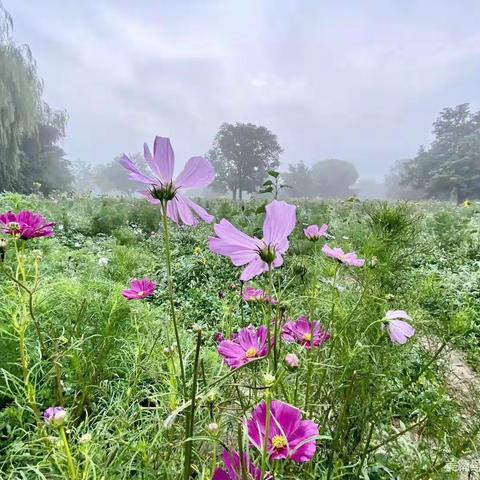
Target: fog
{"x": 357, "y": 81}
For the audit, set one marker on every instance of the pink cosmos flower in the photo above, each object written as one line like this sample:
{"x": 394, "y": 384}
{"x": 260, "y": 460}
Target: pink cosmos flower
{"x": 26, "y": 225}
{"x": 247, "y": 345}
{"x": 233, "y": 468}
{"x": 349, "y": 259}
{"x": 289, "y": 436}
{"x": 252, "y": 294}
{"x": 305, "y": 333}
{"x": 399, "y": 330}
{"x": 313, "y": 232}
{"x": 257, "y": 254}
{"x": 198, "y": 172}
{"x": 140, "y": 289}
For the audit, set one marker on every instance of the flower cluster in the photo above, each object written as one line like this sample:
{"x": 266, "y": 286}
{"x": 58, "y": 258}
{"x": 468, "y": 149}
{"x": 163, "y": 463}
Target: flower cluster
{"x": 252, "y": 294}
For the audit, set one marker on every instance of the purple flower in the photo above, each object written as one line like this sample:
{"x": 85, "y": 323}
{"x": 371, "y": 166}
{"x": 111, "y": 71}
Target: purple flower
{"x": 197, "y": 173}
{"x": 140, "y": 289}
{"x": 233, "y": 468}
{"x": 399, "y": 330}
{"x": 305, "y": 333}
{"x": 247, "y": 345}
{"x": 257, "y": 254}
{"x": 289, "y": 436}
{"x": 349, "y": 259}
{"x": 252, "y": 294}
{"x": 55, "y": 415}
{"x": 26, "y": 225}
{"x": 313, "y": 232}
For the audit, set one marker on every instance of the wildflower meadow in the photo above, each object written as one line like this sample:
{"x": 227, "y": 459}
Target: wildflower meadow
{"x": 168, "y": 337}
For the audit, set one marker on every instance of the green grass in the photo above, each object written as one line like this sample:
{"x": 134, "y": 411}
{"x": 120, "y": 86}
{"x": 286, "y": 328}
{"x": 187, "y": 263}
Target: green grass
{"x": 384, "y": 410}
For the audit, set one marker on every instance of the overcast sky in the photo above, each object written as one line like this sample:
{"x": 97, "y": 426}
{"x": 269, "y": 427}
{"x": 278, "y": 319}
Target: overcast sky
{"x": 357, "y": 80}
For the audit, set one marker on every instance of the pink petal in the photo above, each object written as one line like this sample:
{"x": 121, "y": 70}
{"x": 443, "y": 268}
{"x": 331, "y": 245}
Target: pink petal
{"x": 198, "y": 172}
{"x": 303, "y": 445}
{"x": 200, "y": 211}
{"x": 280, "y": 220}
{"x": 393, "y": 314}
{"x": 184, "y": 211}
{"x": 154, "y": 167}
{"x": 135, "y": 174}
{"x": 149, "y": 197}
{"x": 256, "y": 267}
{"x": 164, "y": 158}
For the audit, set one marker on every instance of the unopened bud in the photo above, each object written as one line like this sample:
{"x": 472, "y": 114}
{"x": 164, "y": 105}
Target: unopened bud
{"x": 292, "y": 361}
{"x": 212, "y": 428}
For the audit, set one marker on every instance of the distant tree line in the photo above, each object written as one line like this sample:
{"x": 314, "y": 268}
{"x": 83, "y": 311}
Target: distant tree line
{"x": 30, "y": 158}
{"x": 450, "y": 168}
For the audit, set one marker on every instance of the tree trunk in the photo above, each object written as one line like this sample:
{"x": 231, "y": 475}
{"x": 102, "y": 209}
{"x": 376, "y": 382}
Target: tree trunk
{"x": 234, "y": 193}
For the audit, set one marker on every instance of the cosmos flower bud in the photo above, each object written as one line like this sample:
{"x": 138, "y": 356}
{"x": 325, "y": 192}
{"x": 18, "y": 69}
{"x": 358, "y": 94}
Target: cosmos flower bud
{"x": 212, "y": 428}
{"x": 292, "y": 361}
{"x": 55, "y": 416}
{"x": 197, "y": 328}
{"x": 212, "y": 396}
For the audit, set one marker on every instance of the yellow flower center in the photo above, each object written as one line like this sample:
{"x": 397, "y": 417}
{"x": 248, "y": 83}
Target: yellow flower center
{"x": 141, "y": 294}
{"x": 279, "y": 442}
{"x": 251, "y": 352}
{"x": 307, "y": 337}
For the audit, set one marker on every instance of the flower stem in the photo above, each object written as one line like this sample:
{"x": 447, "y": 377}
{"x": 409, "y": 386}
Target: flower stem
{"x": 190, "y": 418}
{"x": 267, "y": 433}
{"x": 168, "y": 259}
{"x": 72, "y": 471}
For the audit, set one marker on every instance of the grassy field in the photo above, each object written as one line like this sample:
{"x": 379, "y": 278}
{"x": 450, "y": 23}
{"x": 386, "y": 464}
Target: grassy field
{"x": 383, "y": 410}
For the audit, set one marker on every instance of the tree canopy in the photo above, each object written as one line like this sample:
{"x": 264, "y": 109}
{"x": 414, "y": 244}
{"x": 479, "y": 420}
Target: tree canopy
{"x": 242, "y": 154}
{"x": 330, "y": 178}
{"x": 30, "y": 158}
{"x": 451, "y": 166}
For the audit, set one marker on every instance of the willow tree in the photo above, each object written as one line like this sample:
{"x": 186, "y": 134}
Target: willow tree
{"x": 20, "y": 103}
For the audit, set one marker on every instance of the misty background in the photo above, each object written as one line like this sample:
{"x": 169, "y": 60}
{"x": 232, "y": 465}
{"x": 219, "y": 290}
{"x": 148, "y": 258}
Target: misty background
{"x": 358, "y": 82}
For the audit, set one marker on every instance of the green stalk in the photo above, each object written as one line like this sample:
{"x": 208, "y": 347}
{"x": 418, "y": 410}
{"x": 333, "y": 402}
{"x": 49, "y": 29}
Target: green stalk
{"x": 190, "y": 418}
{"x": 72, "y": 471}
{"x": 267, "y": 433}
{"x": 168, "y": 259}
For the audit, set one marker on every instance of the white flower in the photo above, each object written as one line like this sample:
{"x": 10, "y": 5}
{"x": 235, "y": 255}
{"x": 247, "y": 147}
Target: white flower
{"x": 103, "y": 261}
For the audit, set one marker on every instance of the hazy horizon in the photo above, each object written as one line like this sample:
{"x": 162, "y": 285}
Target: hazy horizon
{"x": 358, "y": 82}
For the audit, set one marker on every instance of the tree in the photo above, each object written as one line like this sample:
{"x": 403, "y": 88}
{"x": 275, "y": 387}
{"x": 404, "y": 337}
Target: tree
{"x": 451, "y": 166}
{"x": 29, "y": 129}
{"x": 112, "y": 177}
{"x": 83, "y": 173}
{"x": 299, "y": 178}
{"x": 333, "y": 178}
{"x": 242, "y": 154}
{"x": 45, "y": 168}
{"x": 395, "y": 189}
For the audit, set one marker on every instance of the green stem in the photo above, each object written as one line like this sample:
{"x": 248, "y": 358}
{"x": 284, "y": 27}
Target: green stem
{"x": 190, "y": 418}
{"x": 168, "y": 258}
{"x": 267, "y": 433}
{"x": 72, "y": 471}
